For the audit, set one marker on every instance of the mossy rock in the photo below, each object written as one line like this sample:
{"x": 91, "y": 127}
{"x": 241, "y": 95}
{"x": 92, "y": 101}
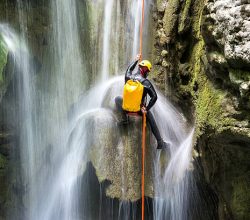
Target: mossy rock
{"x": 3, "y": 181}
{"x": 6, "y": 72}
{"x": 170, "y": 19}
{"x": 117, "y": 159}
{"x": 115, "y": 153}
{"x": 3, "y": 162}
{"x": 3, "y": 59}
{"x": 238, "y": 76}
{"x": 241, "y": 198}
{"x": 184, "y": 19}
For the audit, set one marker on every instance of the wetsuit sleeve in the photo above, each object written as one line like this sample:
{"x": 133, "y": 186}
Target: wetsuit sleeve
{"x": 152, "y": 93}
{"x": 130, "y": 70}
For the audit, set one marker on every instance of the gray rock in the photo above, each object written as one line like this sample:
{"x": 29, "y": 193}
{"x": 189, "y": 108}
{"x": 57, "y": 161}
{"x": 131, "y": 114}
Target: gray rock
{"x": 165, "y": 63}
{"x": 231, "y": 30}
{"x": 113, "y": 155}
{"x": 245, "y": 88}
{"x": 164, "y": 53}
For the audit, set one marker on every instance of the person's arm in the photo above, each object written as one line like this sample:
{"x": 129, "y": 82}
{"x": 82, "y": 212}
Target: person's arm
{"x": 152, "y": 93}
{"x": 131, "y": 68}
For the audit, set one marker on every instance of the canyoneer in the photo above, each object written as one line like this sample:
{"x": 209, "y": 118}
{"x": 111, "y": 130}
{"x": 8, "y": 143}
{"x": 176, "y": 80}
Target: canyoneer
{"x": 134, "y": 99}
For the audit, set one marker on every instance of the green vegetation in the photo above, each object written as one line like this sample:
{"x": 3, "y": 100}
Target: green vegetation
{"x": 3, "y": 59}
{"x": 238, "y": 76}
{"x": 241, "y": 198}
{"x": 3, "y": 162}
{"x": 184, "y": 16}
{"x": 171, "y": 17}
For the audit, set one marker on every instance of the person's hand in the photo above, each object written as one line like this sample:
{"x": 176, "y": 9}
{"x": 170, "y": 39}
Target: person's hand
{"x": 144, "y": 110}
{"x": 138, "y": 57}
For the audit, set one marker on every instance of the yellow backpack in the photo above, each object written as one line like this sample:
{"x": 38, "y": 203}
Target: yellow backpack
{"x": 132, "y": 96}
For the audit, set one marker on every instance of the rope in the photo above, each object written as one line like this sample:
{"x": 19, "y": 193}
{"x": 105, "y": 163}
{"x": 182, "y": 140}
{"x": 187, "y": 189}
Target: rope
{"x": 143, "y": 125}
{"x": 141, "y": 29}
{"x": 143, "y": 164}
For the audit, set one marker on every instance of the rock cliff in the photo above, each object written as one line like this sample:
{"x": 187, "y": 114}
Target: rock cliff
{"x": 202, "y": 60}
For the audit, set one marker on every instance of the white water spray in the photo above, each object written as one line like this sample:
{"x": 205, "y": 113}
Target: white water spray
{"x": 136, "y": 13}
{"x": 26, "y": 108}
{"x": 54, "y": 180}
{"x": 106, "y": 39}
{"x": 172, "y": 182}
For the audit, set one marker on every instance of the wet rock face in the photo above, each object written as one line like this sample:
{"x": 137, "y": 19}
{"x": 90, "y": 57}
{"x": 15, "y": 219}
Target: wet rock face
{"x": 4, "y": 76}
{"x": 9, "y": 190}
{"x": 230, "y": 30}
{"x": 115, "y": 152}
{"x": 226, "y": 31}
{"x": 225, "y": 163}
{"x": 177, "y": 25}
{"x": 202, "y": 62}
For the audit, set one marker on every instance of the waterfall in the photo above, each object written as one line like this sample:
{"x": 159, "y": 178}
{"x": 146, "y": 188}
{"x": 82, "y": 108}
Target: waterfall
{"x": 26, "y": 94}
{"x": 116, "y": 34}
{"x": 44, "y": 102}
{"x": 136, "y": 13}
{"x": 25, "y": 91}
{"x": 61, "y": 115}
{"x": 173, "y": 180}
{"x": 106, "y": 39}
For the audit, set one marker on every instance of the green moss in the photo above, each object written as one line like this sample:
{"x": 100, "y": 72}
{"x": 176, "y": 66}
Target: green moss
{"x": 3, "y": 59}
{"x": 238, "y": 76}
{"x": 197, "y": 53}
{"x": 208, "y": 107}
{"x": 241, "y": 197}
{"x": 184, "y": 16}
{"x": 171, "y": 17}
{"x": 197, "y": 50}
{"x": 208, "y": 100}
{"x": 197, "y": 18}
{"x": 3, "y": 162}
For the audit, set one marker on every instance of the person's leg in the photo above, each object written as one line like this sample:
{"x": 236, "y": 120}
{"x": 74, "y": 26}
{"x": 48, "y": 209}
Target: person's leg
{"x": 153, "y": 125}
{"x": 160, "y": 143}
{"x": 118, "y": 102}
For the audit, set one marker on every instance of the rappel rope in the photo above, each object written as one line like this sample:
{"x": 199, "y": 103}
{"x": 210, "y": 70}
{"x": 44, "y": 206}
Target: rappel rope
{"x": 143, "y": 126}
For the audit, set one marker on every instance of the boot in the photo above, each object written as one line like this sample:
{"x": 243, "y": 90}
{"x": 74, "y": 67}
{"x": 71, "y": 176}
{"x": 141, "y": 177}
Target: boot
{"x": 162, "y": 145}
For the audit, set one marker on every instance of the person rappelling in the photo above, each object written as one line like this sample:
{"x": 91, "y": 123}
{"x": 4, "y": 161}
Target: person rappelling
{"x": 136, "y": 89}
{"x": 134, "y": 99}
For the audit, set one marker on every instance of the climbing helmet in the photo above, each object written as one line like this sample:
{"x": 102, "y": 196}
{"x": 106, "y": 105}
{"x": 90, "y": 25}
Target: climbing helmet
{"x": 146, "y": 63}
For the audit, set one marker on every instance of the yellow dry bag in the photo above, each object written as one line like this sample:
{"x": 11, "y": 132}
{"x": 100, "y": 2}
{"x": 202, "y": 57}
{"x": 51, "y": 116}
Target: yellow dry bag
{"x": 132, "y": 96}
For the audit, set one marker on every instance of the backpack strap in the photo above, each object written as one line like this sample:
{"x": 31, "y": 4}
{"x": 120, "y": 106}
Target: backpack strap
{"x": 133, "y": 78}
{"x": 143, "y": 81}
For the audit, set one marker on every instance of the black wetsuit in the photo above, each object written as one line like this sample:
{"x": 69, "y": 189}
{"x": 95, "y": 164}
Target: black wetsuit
{"x": 148, "y": 87}
{"x": 148, "y": 90}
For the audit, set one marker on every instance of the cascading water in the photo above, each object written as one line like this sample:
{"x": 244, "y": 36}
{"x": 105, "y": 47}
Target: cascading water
{"x": 106, "y": 39}
{"x": 66, "y": 81}
{"x": 44, "y": 102}
{"x": 26, "y": 108}
{"x": 172, "y": 182}
{"x": 136, "y": 7}
{"x": 56, "y": 144}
